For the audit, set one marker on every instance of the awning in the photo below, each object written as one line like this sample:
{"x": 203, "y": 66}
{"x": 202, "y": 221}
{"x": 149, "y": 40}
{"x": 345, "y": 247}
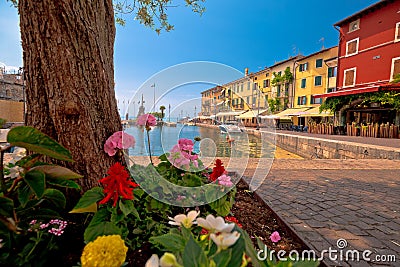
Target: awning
{"x": 269, "y": 117}
{"x": 314, "y": 112}
{"x": 229, "y": 113}
{"x": 291, "y": 112}
{"x": 202, "y": 117}
{"x": 355, "y": 91}
{"x": 251, "y": 114}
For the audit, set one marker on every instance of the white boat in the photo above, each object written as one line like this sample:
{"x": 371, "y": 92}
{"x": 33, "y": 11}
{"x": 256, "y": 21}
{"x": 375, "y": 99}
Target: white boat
{"x": 170, "y": 124}
{"x": 230, "y": 127}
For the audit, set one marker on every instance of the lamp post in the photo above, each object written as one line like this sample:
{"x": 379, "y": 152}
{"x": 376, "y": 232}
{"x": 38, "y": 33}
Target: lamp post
{"x": 194, "y": 115}
{"x": 154, "y": 96}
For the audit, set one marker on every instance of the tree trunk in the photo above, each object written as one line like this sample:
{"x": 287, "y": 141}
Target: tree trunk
{"x": 68, "y": 61}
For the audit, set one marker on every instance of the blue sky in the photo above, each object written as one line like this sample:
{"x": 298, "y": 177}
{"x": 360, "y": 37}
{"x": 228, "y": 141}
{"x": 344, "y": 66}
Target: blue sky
{"x": 239, "y": 34}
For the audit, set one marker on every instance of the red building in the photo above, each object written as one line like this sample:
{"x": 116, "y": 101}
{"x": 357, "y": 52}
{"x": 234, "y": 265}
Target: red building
{"x": 369, "y": 59}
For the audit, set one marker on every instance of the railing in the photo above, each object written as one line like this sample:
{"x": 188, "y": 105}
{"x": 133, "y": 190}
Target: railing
{"x": 384, "y": 130}
{"x": 321, "y": 128}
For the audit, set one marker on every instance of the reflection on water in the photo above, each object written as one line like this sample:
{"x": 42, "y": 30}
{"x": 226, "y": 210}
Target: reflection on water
{"x": 162, "y": 139}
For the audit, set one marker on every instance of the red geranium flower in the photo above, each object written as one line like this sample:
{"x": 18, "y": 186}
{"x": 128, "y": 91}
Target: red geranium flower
{"x": 117, "y": 184}
{"x": 218, "y": 170}
{"x": 233, "y": 220}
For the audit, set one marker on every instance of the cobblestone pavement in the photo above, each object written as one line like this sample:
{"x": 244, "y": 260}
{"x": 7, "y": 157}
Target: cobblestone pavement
{"x": 327, "y": 200}
{"x": 387, "y": 142}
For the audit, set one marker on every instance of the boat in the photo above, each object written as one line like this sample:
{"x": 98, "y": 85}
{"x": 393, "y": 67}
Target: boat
{"x": 170, "y": 124}
{"x": 230, "y": 127}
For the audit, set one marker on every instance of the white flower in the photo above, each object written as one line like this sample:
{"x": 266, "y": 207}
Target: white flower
{"x": 167, "y": 260}
{"x": 213, "y": 224}
{"x": 14, "y": 172}
{"x": 225, "y": 240}
{"x": 185, "y": 220}
{"x": 153, "y": 261}
{"x": 18, "y": 154}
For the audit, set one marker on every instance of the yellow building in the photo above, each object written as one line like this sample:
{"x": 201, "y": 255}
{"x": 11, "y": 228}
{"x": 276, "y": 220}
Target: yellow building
{"x": 239, "y": 93}
{"x": 262, "y": 81}
{"x": 315, "y": 74}
{"x": 282, "y": 90}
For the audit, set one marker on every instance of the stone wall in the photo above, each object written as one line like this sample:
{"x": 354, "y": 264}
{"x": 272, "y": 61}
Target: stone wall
{"x": 11, "y": 87}
{"x": 12, "y": 111}
{"x": 310, "y": 147}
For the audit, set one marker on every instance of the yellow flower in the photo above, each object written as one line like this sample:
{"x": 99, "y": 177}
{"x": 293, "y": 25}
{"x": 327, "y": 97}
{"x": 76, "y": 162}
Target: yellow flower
{"x": 105, "y": 251}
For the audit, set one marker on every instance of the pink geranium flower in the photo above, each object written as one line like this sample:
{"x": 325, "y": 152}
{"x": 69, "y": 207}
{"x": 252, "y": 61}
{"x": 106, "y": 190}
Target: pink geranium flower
{"x": 119, "y": 140}
{"x": 275, "y": 237}
{"x": 185, "y": 144}
{"x": 225, "y": 180}
{"x": 146, "y": 120}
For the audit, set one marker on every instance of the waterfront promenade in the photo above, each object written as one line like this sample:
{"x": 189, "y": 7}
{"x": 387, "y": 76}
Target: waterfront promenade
{"x": 327, "y": 200}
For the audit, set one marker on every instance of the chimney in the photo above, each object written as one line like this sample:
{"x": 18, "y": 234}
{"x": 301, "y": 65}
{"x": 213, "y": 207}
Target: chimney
{"x": 246, "y": 71}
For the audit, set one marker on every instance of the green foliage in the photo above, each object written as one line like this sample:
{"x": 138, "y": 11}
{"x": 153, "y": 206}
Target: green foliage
{"x": 32, "y": 193}
{"x": 36, "y": 141}
{"x": 274, "y": 104}
{"x": 190, "y": 248}
{"x": 385, "y": 98}
{"x": 396, "y": 78}
{"x": 152, "y": 13}
{"x": 278, "y": 78}
{"x": 2, "y": 122}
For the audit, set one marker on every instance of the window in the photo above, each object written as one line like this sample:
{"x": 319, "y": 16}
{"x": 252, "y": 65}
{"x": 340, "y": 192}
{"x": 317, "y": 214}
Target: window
{"x": 278, "y": 90}
{"x": 397, "y": 32}
{"x": 318, "y": 80}
{"x": 303, "y": 67}
{"x": 266, "y": 83}
{"x": 248, "y": 100}
{"x": 395, "y": 71}
{"x": 354, "y": 25}
{"x": 332, "y": 89}
{"x": 241, "y": 87}
{"x": 352, "y": 47}
{"x": 267, "y": 74}
{"x": 248, "y": 85}
{"x": 332, "y": 72}
{"x": 286, "y": 89}
{"x": 302, "y": 100}
{"x": 303, "y": 83}
{"x": 316, "y": 100}
{"x": 318, "y": 63}
{"x": 349, "y": 77}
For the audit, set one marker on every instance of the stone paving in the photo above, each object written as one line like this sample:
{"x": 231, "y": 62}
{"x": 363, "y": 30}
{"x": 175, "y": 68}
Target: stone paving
{"x": 327, "y": 200}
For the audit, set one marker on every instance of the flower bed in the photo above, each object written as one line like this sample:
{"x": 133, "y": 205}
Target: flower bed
{"x": 179, "y": 211}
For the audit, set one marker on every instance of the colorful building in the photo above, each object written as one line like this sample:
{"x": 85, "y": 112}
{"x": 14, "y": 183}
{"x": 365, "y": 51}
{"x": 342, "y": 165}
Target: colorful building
{"x": 211, "y": 101}
{"x": 281, "y": 82}
{"x": 368, "y": 62}
{"x": 314, "y": 76}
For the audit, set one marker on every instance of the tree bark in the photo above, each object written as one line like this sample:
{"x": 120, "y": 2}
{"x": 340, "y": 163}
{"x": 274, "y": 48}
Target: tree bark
{"x": 68, "y": 51}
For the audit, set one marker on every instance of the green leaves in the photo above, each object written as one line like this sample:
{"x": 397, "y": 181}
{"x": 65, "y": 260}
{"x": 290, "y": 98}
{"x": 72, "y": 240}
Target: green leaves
{"x": 6, "y": 206}
{"x": 127, "y": 208}
{"x": 88, "y": 202}
{"x": 57, "y": 172}
{"x": 100, "y": 225}
{"x": 36, "y": 181}
{"x": 193, "y": 255}
{"x": 56, "y": 197}
{"x": 170, "y": 242}
{"x": 36, "y": 141}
